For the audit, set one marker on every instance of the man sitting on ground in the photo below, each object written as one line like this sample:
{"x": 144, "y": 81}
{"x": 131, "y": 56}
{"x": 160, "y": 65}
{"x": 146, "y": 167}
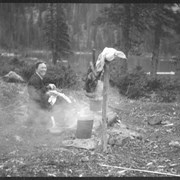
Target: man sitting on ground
{"x": 38, "y": 97}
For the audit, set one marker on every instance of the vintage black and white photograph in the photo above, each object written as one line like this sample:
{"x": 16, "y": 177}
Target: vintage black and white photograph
{"x": 89, "y": 89}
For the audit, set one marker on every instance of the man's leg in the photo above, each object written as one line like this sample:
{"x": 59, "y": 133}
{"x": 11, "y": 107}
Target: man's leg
{"x": 31, "y": 123}
{"x": 32, "y": 114}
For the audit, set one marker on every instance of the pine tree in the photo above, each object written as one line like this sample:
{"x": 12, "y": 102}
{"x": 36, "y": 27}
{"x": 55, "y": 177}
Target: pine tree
{"x": 126, "y": 18}
{"x": 158, "y": 19}
{"x": 161, "y": 20}
{"x": 56, "y": 32}
{"x": 12, "y": 22}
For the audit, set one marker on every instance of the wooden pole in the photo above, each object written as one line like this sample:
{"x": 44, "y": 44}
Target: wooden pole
{"x": 104, "y": 107}
{"x": 93, "y": 63}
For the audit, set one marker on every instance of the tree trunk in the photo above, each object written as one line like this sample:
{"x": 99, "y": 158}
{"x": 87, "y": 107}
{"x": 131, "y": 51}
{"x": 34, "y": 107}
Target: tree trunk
{"x": 94, "y": 57}
{"x": 53, "y": 35}
{"x": 54, "y": 57}
{"x": 94, "y": 33}
{"x": 125, "y": 36}
{"x": 155, "y": 53}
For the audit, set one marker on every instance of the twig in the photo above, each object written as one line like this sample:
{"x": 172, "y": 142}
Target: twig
{"x": 140, "y": 170}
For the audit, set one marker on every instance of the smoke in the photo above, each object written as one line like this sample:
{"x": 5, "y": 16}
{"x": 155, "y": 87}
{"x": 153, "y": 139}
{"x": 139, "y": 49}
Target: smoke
{"x": 66, "y": 114}
{"x": 62, "y": 116}
{"x": 18, "y": 129}
{"x": 17, "y": 120}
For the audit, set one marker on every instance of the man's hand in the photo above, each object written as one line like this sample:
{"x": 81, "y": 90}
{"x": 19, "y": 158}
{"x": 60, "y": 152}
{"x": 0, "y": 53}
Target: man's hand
{"x": 51, "y": 86}
{"x": 52, "y": 93}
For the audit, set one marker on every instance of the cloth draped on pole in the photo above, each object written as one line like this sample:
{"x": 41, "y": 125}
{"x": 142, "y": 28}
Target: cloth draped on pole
{"x": 94, "y": 73}
{"x": 108, "y": 54}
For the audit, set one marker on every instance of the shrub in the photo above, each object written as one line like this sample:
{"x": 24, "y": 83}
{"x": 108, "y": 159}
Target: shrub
{"x": 168, "y": 90}
{"x": 61, "y": 76}
{"x": 26, "y": 71}
{"x": 6, "y": 68}
{"x": 132, "y": 84}
{"x": 8, "y": 93}
{"x": 7, "y": 65}
{"x": 16, "y": 62}
{"x": 166, "y": 95}
{"x": 137, "y": 84}
{"x": 153, "y": 84}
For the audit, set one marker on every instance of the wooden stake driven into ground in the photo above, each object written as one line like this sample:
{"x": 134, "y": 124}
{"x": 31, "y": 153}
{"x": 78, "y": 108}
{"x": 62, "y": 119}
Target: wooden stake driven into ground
{"x": 104, "y": 106}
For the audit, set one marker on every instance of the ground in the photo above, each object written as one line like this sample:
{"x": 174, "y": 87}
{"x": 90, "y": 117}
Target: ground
{"x": 43, "y": 154}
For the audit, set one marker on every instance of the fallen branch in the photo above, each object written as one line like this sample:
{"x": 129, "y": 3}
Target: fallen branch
{"x": 140, "y": 170}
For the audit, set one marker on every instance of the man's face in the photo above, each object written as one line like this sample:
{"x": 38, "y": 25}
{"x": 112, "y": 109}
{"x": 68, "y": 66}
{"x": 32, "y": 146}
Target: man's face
{"x": 41, "y": 70}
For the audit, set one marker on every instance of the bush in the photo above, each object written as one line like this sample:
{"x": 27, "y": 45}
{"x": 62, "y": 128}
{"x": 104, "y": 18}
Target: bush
{"x": 137, "y": 84}
{"x": 168, "y": 90}
{"x": 153, "y": 84}
{"x": 7, "y": 65}
{"x": 132, "y": 84}
{"x": 16, "y": 62}
{"x": 26, "y": 71}
{"x": 166, "y": 95}
{"x": 8, "y": 93}
{"x": 61, "y": 76}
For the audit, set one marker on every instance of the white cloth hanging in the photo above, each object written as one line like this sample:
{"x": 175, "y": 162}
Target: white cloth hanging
{"x": 108, "y": 54}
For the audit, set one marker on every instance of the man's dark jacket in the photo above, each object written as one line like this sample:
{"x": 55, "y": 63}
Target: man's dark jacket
{"x": 37, "y": 91}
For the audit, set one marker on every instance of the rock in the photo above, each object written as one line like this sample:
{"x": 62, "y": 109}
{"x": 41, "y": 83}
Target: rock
{"x": 85, "y": 159}
{"x": 111, "y": 141}
{"x": 119, "y": 141}
{"x": 13, "y": 77}
{"x": 51, "y": 174}
{"x": 111, "y": 116}
{"x": 174, "y": 143}
{"x": 139, "y": 136}
{"x": 121, "y": 173}
{"x": 81, "y": 143}
{"x": 16, "y": 61}
{"x": 154, "y": 121}
{"x": 18, "y": 138}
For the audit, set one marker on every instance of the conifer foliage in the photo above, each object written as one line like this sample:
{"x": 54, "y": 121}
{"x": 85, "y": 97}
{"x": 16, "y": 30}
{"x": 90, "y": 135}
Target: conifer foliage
{"x": 158, "y": 19}
{"x": 56, "y": 32}
{"x": 161, "y": 20}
